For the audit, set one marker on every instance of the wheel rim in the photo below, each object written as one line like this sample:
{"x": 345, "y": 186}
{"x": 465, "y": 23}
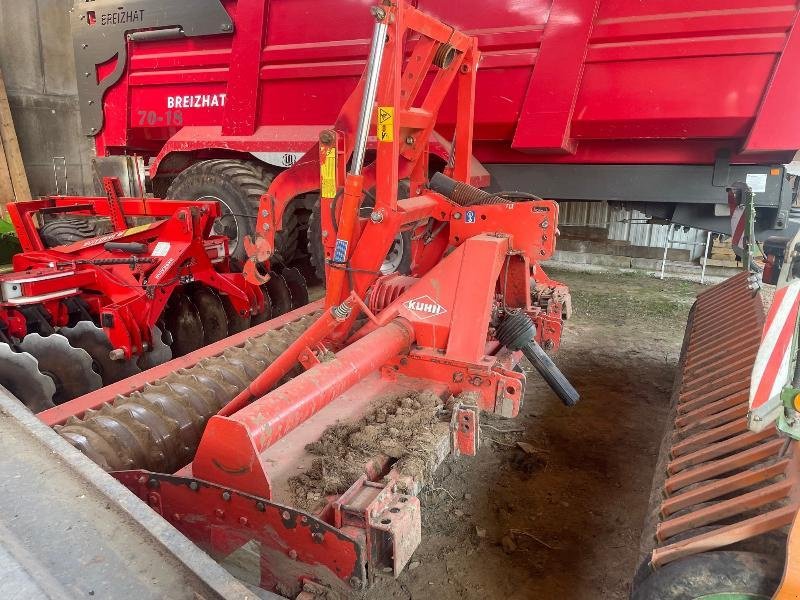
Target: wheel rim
{"x": 395, "y": 255}
{"x": 226, "y": 224}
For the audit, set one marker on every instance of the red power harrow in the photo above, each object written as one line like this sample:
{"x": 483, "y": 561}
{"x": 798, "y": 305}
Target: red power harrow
{"x": 213, "y": 440}
{"x": 89, "y": 312}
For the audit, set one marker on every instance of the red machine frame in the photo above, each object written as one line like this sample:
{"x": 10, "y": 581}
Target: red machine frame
{"x": 126, "y": 292}
{"x": 473, "y": 262}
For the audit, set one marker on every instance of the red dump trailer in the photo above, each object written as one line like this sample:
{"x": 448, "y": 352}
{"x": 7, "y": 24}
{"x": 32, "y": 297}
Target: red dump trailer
{"x": 663, "y": 103}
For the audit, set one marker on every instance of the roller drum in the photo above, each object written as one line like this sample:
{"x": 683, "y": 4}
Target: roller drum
{"x": 159, "y": 427}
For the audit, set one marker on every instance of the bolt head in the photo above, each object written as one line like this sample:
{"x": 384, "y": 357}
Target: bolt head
{"x": 456, "y": 215}
{"x": 226, "y": 495}
{"x": 264, "y": 213}
{"x": 410, "y": 140}
{"x": 376, "y": 217}
{"x": 327, "y": 137}
{"x": 194, "y": 486}
{"x": 265, "y": 227}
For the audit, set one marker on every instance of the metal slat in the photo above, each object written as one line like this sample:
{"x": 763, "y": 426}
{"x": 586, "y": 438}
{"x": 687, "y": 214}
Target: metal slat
{"x": 716, "y": 469}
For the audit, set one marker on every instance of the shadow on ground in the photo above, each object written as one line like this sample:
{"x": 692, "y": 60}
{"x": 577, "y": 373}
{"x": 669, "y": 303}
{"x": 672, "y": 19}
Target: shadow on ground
{"x": 553, "y": 505}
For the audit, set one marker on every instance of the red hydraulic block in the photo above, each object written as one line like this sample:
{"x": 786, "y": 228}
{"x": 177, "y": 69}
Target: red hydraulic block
{"x": 229, "y": 450}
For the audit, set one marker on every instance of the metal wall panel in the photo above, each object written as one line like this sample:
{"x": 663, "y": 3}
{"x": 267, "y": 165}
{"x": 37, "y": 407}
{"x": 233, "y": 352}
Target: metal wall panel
{"x": 629, "y": 226}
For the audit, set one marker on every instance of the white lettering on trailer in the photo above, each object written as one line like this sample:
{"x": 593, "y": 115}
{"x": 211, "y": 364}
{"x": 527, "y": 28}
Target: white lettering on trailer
{"x": 196, "y": 101}
{"x": 122, "y": 16}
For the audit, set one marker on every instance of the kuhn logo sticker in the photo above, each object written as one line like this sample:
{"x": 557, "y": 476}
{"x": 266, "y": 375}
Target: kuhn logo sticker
{"x": 425, "y": 307}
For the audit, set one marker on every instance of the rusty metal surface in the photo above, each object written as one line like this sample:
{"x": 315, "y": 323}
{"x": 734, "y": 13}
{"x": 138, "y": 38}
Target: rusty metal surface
{"x": 158, "y": 428}
{"x": 722, "y": 484}
{"x": 69, "y": 530}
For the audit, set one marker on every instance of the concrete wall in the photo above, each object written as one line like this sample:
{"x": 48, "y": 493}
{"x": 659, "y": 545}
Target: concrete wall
{"x": 39, "y": 72}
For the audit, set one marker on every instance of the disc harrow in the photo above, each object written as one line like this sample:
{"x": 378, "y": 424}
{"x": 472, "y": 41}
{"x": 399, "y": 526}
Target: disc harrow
{"x": 20, "y": 375}
{"x": 95, "y": 310}
{"x": 70, "y": 368}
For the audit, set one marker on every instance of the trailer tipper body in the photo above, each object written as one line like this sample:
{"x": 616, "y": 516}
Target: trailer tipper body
{"x": 659, "y": 103}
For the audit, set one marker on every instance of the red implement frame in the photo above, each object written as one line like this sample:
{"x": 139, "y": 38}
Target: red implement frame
{"x": 432, "y": 331}
{"x": 125, "y": 291}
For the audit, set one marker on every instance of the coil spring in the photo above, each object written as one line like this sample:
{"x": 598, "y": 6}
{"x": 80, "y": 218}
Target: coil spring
{"x": 387, "y": 289}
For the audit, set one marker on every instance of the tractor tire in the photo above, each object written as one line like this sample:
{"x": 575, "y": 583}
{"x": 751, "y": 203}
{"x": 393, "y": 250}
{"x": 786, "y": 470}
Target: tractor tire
{"x": 397, "y": 261}
{"x": 316, "y": 251}
{"x": 238, "y": 186}
{"x": 67, "y": 230}
{"x": 740, "y": 575}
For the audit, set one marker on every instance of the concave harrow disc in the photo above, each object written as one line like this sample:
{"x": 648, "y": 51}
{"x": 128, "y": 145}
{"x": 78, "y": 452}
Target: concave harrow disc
{"x": 182, "y": 320}
{"x": 297, "y": 286}
{"x": 212, "y": 314}
{"x": 266, "y": 314}
{"x": 236, "y": 322}
{"x": 158, "y": 354}
{"x": 279, "y": 293}
{"x": 92, "y": 339}
{"x": 20, "y": 375}
{"x": 68, "y": 366}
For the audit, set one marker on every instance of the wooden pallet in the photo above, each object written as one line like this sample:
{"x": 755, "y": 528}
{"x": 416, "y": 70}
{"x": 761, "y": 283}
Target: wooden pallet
{"x": 13, "y": 180}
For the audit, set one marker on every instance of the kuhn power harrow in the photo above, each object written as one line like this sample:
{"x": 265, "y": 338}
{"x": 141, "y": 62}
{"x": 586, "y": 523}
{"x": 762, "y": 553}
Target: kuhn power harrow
{"x": 89, "y": 312}
{"x": 221, "y": 442}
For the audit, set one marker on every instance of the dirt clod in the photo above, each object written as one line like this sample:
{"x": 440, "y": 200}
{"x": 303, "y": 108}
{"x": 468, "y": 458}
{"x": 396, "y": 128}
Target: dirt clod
{"x": 508, "y": 543}
{"x": 405, "y": 429}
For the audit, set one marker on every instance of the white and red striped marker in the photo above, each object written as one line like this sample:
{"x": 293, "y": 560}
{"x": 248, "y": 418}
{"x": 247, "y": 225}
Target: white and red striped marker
{"x": 772, "y": 369}
{"x": 737, "y": 222}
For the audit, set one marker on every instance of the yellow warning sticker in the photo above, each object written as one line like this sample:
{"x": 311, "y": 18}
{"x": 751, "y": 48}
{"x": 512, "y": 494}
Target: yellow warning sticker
{"x": 385, "y": 123}
{"x": 327, "y": 174}
{"x": 137, "y": 229}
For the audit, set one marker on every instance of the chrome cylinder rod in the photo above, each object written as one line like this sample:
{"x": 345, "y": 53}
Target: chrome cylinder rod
{"x": 370, "y": 89}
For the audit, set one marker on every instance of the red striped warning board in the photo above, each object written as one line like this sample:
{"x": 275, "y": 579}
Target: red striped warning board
{"x": 737, "y": 222}
{"x": 772, "y": 369}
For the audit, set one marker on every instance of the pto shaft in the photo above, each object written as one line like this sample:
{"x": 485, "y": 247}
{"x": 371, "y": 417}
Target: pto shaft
{"x": 517, "y": 332}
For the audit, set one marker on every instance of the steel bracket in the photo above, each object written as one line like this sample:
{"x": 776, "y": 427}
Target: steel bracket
{"x": 391, "y": 521}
